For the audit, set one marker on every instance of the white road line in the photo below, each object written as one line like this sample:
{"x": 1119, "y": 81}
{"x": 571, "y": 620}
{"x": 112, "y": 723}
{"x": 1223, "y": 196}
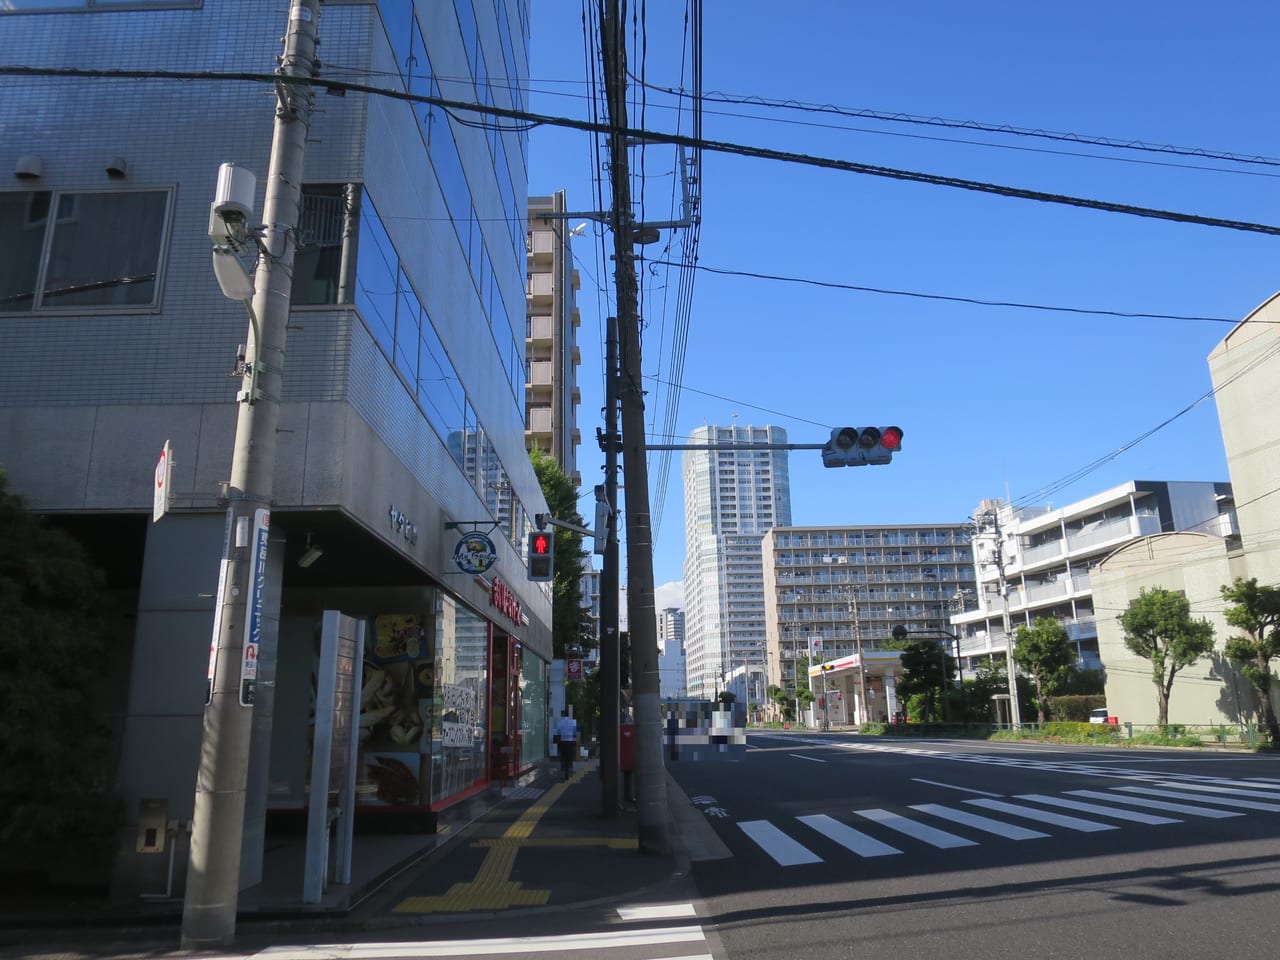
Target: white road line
{"x": 1220, "y": 787}
{"x": 1220, "y": 801}
{"x": 800, "y": 756}
{"x": 1133, "y": 815}
{"x": 986, "y": 824}
{"x": 775, "y": 843}
{"x": 1044, "y": 816}
{"x": 848, "y": 837}
{"x": 658, "y": 911}
{"x": 499, "y": 945}
{"x": 952, "y": 786}
{"x": 1157, "y": 804}
{"x": 921, "y": 831}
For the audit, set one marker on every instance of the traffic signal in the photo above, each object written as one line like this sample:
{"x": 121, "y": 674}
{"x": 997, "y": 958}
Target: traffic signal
{"x": 854, "y": 446}
{"x": 542, "y": 555}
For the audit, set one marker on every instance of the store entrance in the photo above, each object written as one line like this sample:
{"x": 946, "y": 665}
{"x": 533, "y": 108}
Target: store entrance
{"x": 504, "y": 708}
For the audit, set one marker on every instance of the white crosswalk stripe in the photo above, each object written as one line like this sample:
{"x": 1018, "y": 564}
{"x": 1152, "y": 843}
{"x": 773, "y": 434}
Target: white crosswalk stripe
{"x": 921, "y": 831}
{"x": 1148, "y": 800}
{"x": 998, "y": 827}
{"x": 1043, "y": 816}
{"x": 1189, "y": 809}
{"x": 847, "y": 837}
{"x": 1221, "y": 801}
{"x": 1131, "y": 815}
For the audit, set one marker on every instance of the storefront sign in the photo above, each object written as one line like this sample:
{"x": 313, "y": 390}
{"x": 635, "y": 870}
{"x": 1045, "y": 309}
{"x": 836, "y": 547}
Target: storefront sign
{"x": 253, "y": 621}
{"x": 504, "y": 599}
{"x": 402, "y": 525}
{"x": 573, "y": 670}
{"x": 474, "y": 553}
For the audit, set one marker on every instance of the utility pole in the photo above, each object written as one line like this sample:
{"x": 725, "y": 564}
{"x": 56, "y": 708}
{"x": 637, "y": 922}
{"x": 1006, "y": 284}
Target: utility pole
{"x": 651, "y": 784}
{"x": 213, "y": 870}
{"x": 610, "y": 656}
{"x": 1015, "y": 712}
{"x": 863, "y": 712}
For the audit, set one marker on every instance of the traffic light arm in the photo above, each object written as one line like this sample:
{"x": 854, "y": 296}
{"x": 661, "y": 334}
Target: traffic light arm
{"x": 542, "y": 519}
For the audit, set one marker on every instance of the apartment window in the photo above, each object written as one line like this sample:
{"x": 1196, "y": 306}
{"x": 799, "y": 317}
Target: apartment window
{"x": 68, "y": 251}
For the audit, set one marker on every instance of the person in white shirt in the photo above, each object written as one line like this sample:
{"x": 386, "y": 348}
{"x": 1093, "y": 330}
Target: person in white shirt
{"x": 566, "y": 742}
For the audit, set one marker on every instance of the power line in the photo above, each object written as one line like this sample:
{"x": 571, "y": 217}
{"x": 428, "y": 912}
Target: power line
{"x": 831, "y": 284}
{"x": 652, "y": 137}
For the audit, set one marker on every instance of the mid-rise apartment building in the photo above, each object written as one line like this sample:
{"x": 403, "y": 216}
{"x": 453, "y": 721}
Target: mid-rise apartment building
{"x": 1040, "y": 557}
{"x": 833, "y": 592}
{"x": 552, "y": 356}
{"x": 735, "y": 491}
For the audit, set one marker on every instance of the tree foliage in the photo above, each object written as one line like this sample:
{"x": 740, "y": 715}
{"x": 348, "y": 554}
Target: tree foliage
{"x": 1158, "y": 627}
{"x": 572, "y": 628}
{"x": 55, "y": 753}
{"x": 927, "y": 671}
{"x": 1256, "y": 611}
{"x": 1044, "y": 651}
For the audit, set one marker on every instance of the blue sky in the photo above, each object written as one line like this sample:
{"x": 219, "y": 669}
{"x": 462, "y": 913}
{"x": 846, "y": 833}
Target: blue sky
{"x": 994, "y": 401}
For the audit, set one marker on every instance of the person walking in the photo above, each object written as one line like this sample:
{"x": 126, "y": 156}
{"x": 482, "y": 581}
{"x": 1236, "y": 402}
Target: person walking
{"x": 566, "y": 742}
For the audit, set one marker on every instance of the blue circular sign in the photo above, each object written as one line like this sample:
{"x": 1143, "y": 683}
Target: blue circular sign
{"x": 474, "y": 553}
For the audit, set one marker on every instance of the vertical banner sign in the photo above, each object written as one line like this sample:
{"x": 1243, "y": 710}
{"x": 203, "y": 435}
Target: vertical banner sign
{"x": 161, "y": 495}
{"x": 253, "y": 621}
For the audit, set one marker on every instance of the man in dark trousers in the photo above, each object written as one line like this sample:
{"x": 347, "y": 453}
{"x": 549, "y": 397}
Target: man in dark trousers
{"x": 566, "y": 742}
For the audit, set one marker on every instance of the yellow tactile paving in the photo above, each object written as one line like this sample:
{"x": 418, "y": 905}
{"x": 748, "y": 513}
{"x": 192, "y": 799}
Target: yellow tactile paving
{"x": 493, "y": 888}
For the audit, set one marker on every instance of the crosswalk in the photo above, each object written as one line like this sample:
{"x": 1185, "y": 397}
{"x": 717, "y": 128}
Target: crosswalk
{"x": 879, "y": 832}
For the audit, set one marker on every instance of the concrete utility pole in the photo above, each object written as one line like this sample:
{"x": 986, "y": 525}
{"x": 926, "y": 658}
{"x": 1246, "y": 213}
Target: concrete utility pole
{"x": 1015, "y": 711}
{"x": 651, "y": 784}
{"x": 213, "y": 871}
{"x": 610, "y": 654}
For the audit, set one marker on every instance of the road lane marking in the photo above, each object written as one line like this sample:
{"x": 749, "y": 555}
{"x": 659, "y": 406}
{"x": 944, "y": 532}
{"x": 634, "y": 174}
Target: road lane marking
{"x": 1221, "y": 787}
{"x": 986, "y": 824}
{"x": 775, "y": 843}
{"x": 497, "y": 945}
{"x": 1157, "y": 804}
{"x": 658, "y": 911}
{"x": 920, "y": 831}
{"x": 847, "y": 837}
{"x": 952, "y": 786}
{"x": 1220, "y": 801}
{"x": 1133, "y": 815}
{"x": 800, "y": 756}
{"x": 1044, "y": 816}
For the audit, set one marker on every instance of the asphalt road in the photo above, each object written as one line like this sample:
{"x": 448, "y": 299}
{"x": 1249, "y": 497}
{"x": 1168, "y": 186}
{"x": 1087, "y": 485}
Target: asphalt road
{"x": 883, "y": 848}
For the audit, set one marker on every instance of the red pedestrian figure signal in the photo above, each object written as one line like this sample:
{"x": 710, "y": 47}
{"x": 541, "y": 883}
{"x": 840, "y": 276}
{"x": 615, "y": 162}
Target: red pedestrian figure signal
{"x": 542, "y": 555}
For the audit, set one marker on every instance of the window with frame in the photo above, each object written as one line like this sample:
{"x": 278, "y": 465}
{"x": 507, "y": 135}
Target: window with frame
{"x": 54, "y": 6}
{"x": 67, "y": 250}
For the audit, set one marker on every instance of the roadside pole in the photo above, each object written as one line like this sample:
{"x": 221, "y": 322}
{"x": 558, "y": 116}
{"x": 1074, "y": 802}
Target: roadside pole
{"x": 213, "y": 870}
{"x": 610, "y": 654}
{"x": 651, "y": 783}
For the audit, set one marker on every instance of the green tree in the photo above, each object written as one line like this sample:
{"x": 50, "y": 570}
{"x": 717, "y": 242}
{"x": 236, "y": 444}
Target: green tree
{"x": 55, "y": 753}
{"x": 927, "y": 670}
{"x": 1044, "y": 652}
{"x": 572, "y": 629}
{"x": 1158, "y": 627}
{"x": 1256, "y": 611}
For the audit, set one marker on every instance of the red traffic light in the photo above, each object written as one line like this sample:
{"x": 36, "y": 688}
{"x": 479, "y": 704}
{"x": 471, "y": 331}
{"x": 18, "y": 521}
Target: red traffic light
{"x": 540, "y": 545}
{"x": 891, "y": 439}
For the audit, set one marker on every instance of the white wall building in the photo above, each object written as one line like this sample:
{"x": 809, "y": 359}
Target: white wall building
{"x": 734, "y": 492}
{"x": 1044, "y": 556}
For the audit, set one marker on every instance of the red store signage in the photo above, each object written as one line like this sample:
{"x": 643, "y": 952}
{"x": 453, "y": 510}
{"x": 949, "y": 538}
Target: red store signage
{"x": 504, "y": 598}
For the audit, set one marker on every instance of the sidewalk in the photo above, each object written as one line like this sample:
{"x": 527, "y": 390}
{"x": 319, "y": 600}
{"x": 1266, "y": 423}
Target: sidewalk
{"x": 541, "y": 845}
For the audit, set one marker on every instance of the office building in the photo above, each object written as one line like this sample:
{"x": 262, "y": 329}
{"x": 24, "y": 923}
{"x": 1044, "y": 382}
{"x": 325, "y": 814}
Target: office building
{"x": 671, "y": 661}
{"x": 402, "y": 490}
{"x": 735, "y": 490}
